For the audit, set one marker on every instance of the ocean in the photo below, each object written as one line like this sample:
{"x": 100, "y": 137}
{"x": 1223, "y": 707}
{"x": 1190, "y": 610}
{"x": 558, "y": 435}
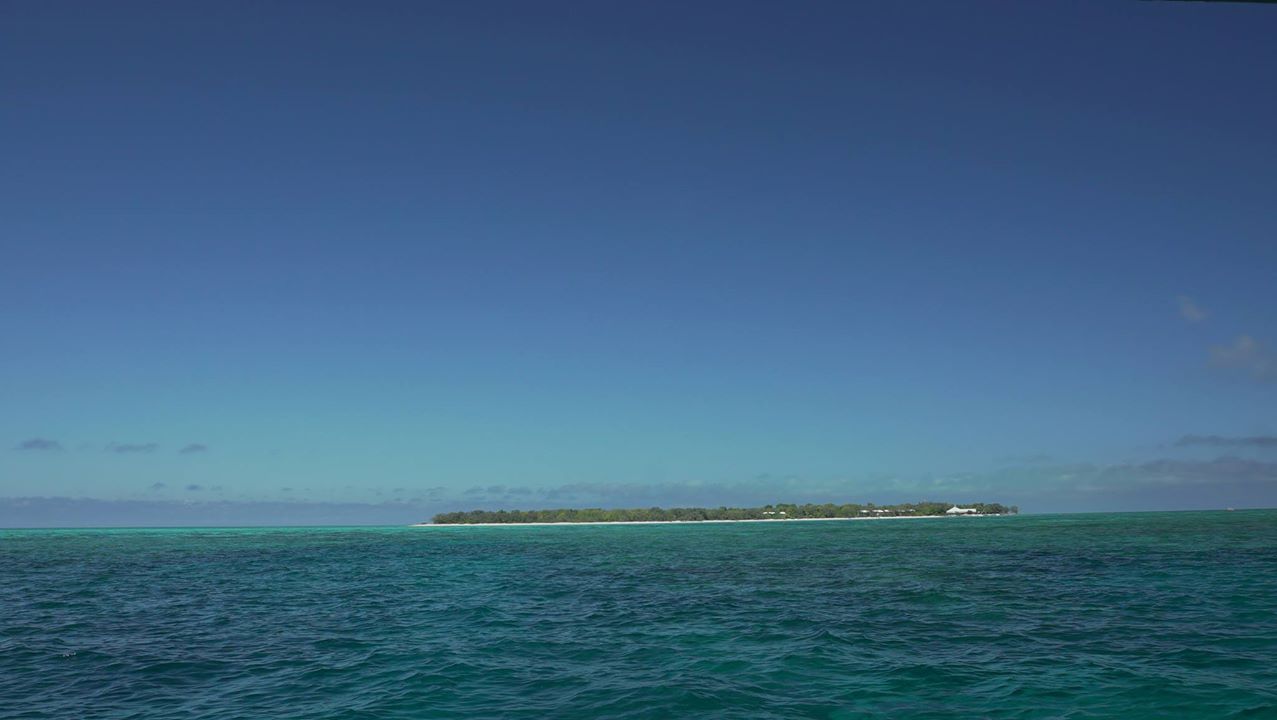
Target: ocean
{"x": 1137, "y": 615}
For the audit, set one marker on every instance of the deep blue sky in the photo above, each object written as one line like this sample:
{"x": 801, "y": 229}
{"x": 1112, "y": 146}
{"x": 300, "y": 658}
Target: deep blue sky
{"x": 525, "y": 254}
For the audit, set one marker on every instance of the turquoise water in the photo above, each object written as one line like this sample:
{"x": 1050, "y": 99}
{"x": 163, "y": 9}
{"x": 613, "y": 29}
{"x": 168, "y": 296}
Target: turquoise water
{"x": 1123, "y": 615}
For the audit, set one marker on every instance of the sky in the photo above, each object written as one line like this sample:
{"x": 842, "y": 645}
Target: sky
{"x": 363, "y": 262}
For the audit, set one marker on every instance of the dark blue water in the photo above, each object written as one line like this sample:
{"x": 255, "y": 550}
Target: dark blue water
{"x": 1127, "y": 615}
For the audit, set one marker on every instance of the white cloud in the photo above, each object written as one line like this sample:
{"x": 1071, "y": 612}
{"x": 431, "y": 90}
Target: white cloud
{"x": 1248, "y": 354}
{"x": 1190, "y": 310}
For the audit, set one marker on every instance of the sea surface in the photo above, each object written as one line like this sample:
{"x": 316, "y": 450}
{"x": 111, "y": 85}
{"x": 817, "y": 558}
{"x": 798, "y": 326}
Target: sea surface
{"x": 1144, "y": 615}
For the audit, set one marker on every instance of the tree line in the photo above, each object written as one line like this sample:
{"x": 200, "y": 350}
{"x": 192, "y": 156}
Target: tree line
{"x": 781, "y": 511}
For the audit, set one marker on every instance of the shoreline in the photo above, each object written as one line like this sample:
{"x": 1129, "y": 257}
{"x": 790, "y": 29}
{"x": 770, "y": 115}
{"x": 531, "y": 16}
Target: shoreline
{"x": 695, "y": 522}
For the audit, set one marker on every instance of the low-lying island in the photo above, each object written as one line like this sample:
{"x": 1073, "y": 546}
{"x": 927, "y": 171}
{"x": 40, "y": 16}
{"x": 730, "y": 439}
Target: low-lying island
{"x": 766, "y": 513}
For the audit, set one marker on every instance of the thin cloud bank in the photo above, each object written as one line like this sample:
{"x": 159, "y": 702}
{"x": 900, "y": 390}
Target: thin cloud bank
{"x": 85, "y": 512}
{"x": 193, "y": 448}
{"x": 1249, "y": 355}
{"x": 1256, "y": 441}
{"x": 1026, "y": 459}
{"x": 1161, "y": 484}
{"x": 132, "y": 447}
{"x": 39, "y": 444}
{"x": 499, "y": 490}
{"x": 1190, "y": 310}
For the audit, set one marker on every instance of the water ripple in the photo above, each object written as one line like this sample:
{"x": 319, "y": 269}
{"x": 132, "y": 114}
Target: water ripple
{"x": 1145, "y": 615}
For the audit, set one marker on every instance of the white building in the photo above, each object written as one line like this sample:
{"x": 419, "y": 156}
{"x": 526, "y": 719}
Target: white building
{"x": 955, "y": 510}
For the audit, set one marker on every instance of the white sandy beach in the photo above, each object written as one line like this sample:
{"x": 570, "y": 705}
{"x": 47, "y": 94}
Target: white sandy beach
{"x": 697, "y": 522}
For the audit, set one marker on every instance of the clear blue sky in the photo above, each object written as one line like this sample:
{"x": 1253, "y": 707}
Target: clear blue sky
{"x": 372, "y": 260}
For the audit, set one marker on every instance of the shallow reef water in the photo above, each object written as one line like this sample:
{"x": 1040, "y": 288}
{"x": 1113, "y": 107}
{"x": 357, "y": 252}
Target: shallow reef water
{"x": 1134, "y": 615}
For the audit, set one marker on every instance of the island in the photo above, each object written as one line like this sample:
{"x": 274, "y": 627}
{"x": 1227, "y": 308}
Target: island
{"x": 778, "y": 512}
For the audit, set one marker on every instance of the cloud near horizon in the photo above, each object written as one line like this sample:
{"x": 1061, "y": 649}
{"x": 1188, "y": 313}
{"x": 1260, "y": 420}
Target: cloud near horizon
{"x": 1255, "y": 441}
{"x": 39, "y": 444}
{"x": 1032, "y": 459}
{"x": 132, "y": 447}
{"x": 193, "y": 448}
{"x": 1160, "y": 484}
{"x": 36, "y": 512}
{"x": 1157, "y": 484}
